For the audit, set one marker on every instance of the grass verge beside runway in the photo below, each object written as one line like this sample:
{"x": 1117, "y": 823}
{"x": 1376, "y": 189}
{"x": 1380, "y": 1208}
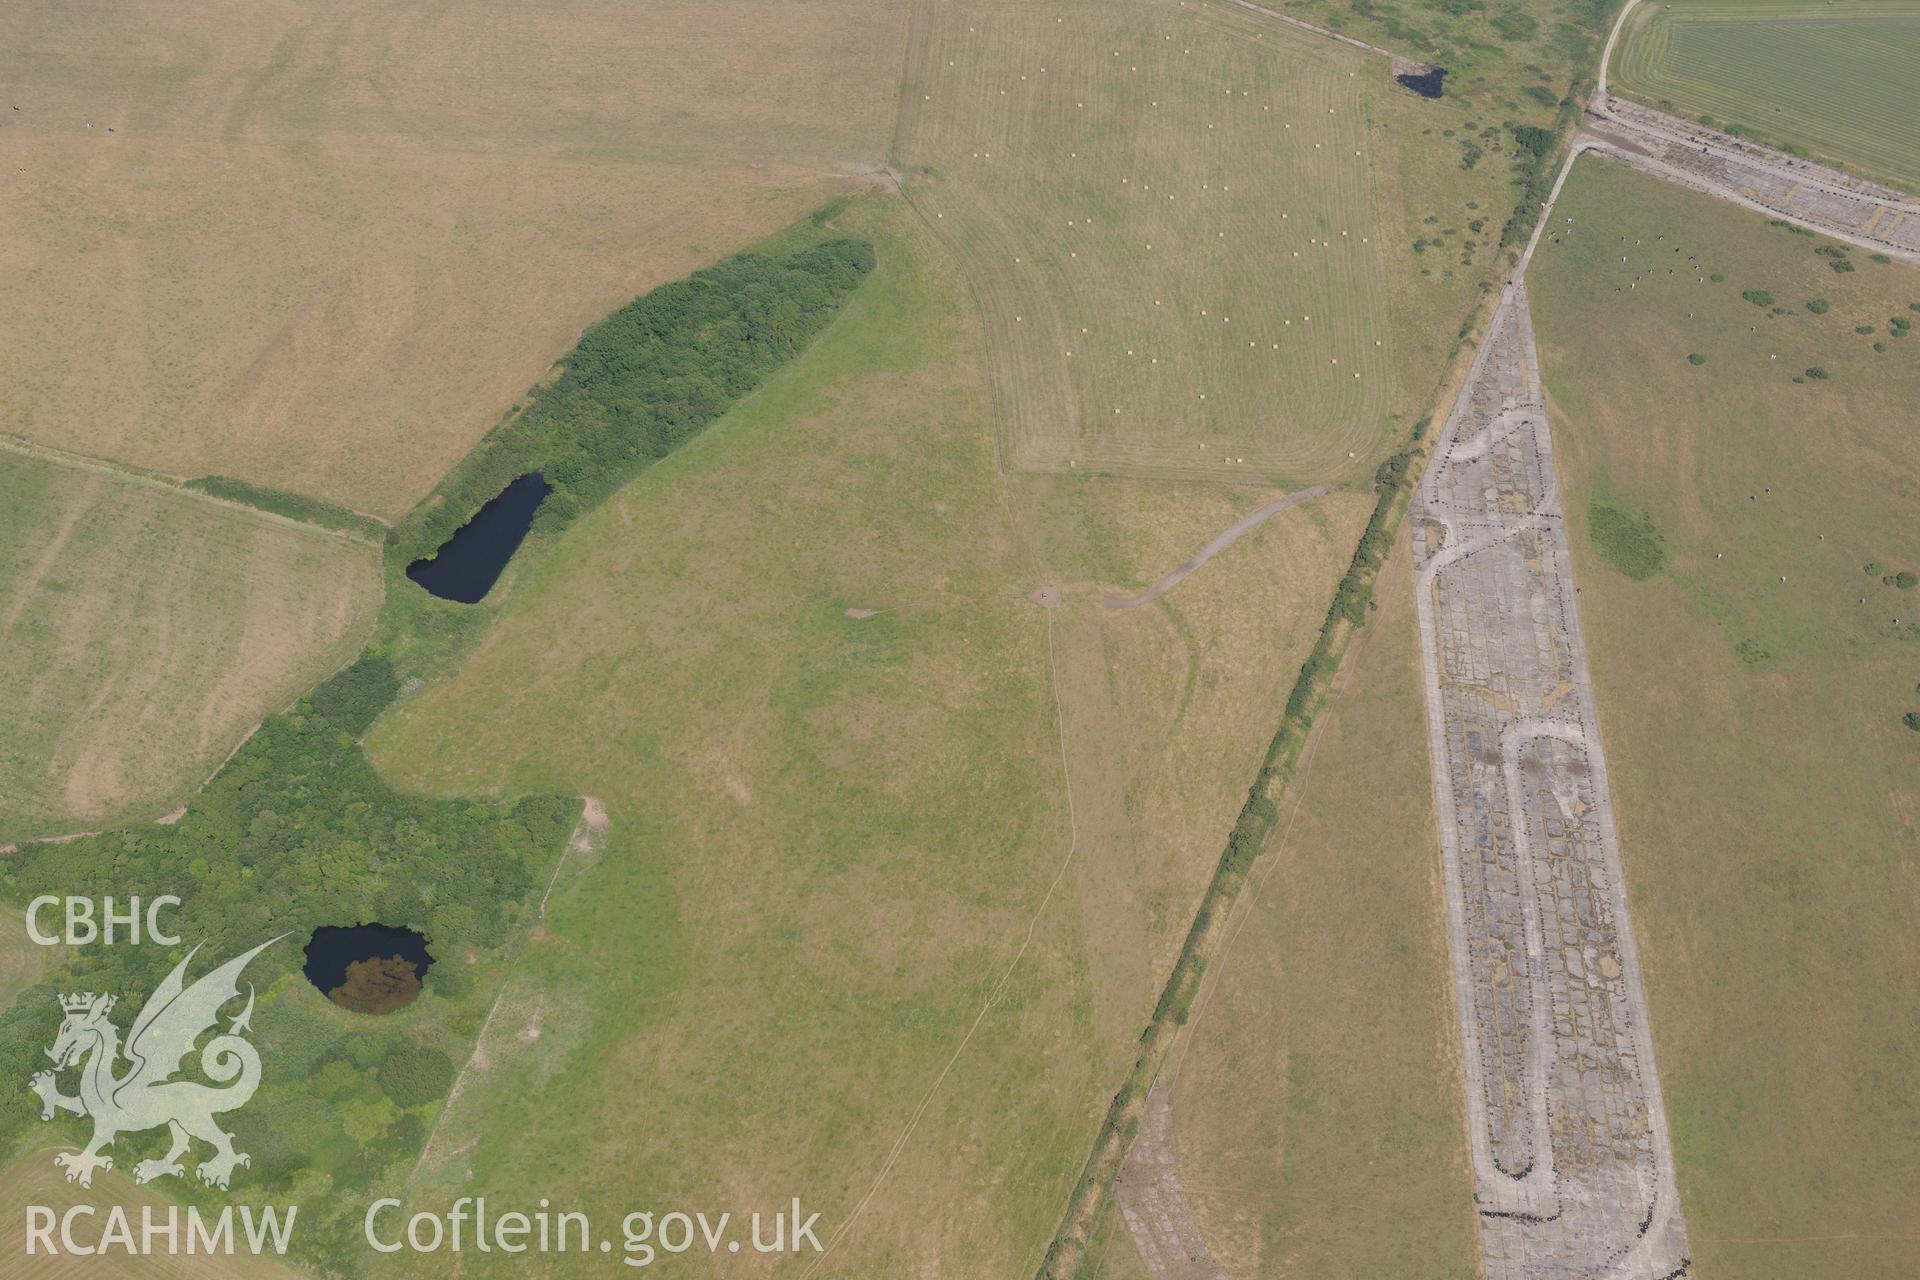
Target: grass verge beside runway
{"x": 1318, "y": 1100}
{"x": 1751, "y": 689}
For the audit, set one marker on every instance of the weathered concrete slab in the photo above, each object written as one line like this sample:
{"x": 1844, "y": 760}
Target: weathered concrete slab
{"x": 1154, "y": 1203}
{"x": 1767, "y": 181}
{"x": 1572, "y": 1160}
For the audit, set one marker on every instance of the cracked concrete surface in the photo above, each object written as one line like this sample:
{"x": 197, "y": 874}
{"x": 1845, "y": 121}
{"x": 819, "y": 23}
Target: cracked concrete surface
{"x": 1153, "y": 1200}
{"x": 1572, "y": 1161}
{"x": 1745, "y": 173}
{"x": 1766, "y": 181}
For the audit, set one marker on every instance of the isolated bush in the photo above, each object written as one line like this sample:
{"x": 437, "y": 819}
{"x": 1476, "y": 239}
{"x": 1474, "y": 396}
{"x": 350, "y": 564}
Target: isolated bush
{"x": 416, "y": 1075}
{"x": 1818, "y": 374}
{"x": 1911, "y": 720}
{"x": 1511, "y": 24}
{"x": 1696, "y": 359}
{"x": 1533, "y": 139}
{"x": 1863, "y": 328}
{"x": 1627, "y": 540}
{"x": 1819, "y": 306}
{"x": 1905, "y": 579}
{"x": 449, "y": 981}
{"x": 1758, "y": 297}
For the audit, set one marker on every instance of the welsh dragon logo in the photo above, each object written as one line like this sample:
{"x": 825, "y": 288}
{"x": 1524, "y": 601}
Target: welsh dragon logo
{"x": 146, "y": 1095}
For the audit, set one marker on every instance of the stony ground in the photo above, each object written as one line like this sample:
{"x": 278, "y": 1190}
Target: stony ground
{"x": 1571, "y": 1153}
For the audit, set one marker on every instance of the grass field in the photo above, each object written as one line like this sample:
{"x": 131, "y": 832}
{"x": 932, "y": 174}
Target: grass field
{"x": 32, "y": 1179}
{"x": 1820, "y": 77}
{"x": 1751, "y": 692}
{"x": 832, "y": 840}
{"x": 1168, "y": 215}
{"x": 22, "y": 960}
{"x": 323, "y": 250}
{"x": 1317, "y": 1101}
{"x": 144, "y": 629}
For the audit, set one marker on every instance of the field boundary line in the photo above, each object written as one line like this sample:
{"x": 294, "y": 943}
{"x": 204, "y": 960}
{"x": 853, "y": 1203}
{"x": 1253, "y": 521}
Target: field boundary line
{"x": 172, "y": 483}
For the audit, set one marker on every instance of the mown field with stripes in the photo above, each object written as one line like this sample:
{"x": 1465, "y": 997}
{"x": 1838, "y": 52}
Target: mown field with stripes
{"x": 1831, "y": 79}
{"x": 144, "y": 628}
{"x": 1167, "y": 215}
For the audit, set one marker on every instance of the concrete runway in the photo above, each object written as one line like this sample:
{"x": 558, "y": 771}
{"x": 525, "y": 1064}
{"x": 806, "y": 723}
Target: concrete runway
{"x": 1573, "y": 1166}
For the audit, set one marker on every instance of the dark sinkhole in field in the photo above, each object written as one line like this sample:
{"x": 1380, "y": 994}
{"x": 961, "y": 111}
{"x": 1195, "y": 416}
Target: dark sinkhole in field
{"x": 467, "y": 564}
{"x": 369, "y": 968}
{"x": 1427, "y": 83}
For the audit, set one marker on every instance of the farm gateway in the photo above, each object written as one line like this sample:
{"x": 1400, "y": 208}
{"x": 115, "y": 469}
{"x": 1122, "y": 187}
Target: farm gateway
{"x": 85, "y": 1230}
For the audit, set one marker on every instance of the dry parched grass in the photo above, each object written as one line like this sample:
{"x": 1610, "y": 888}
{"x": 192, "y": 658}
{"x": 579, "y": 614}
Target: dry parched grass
{"x": 144, "y": 629}
{"x": 323, "y": 249}
{"x": 831, "y": 831}
{"x": 1168, "y": 216}
{"x": 1318, "y": 1101}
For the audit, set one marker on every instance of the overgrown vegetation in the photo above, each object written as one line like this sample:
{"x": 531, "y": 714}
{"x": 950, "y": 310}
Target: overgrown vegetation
{"x": 296, "y": 832}
{"x": 1533, "y": 173}
{"x": 644, "y": 380}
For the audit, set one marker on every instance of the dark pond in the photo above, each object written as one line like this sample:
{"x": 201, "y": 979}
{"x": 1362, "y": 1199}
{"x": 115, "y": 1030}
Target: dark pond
{"x": 372, "y": 968}
{"x": 467, "y": 564}
{"x": 1427, "y": 83}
